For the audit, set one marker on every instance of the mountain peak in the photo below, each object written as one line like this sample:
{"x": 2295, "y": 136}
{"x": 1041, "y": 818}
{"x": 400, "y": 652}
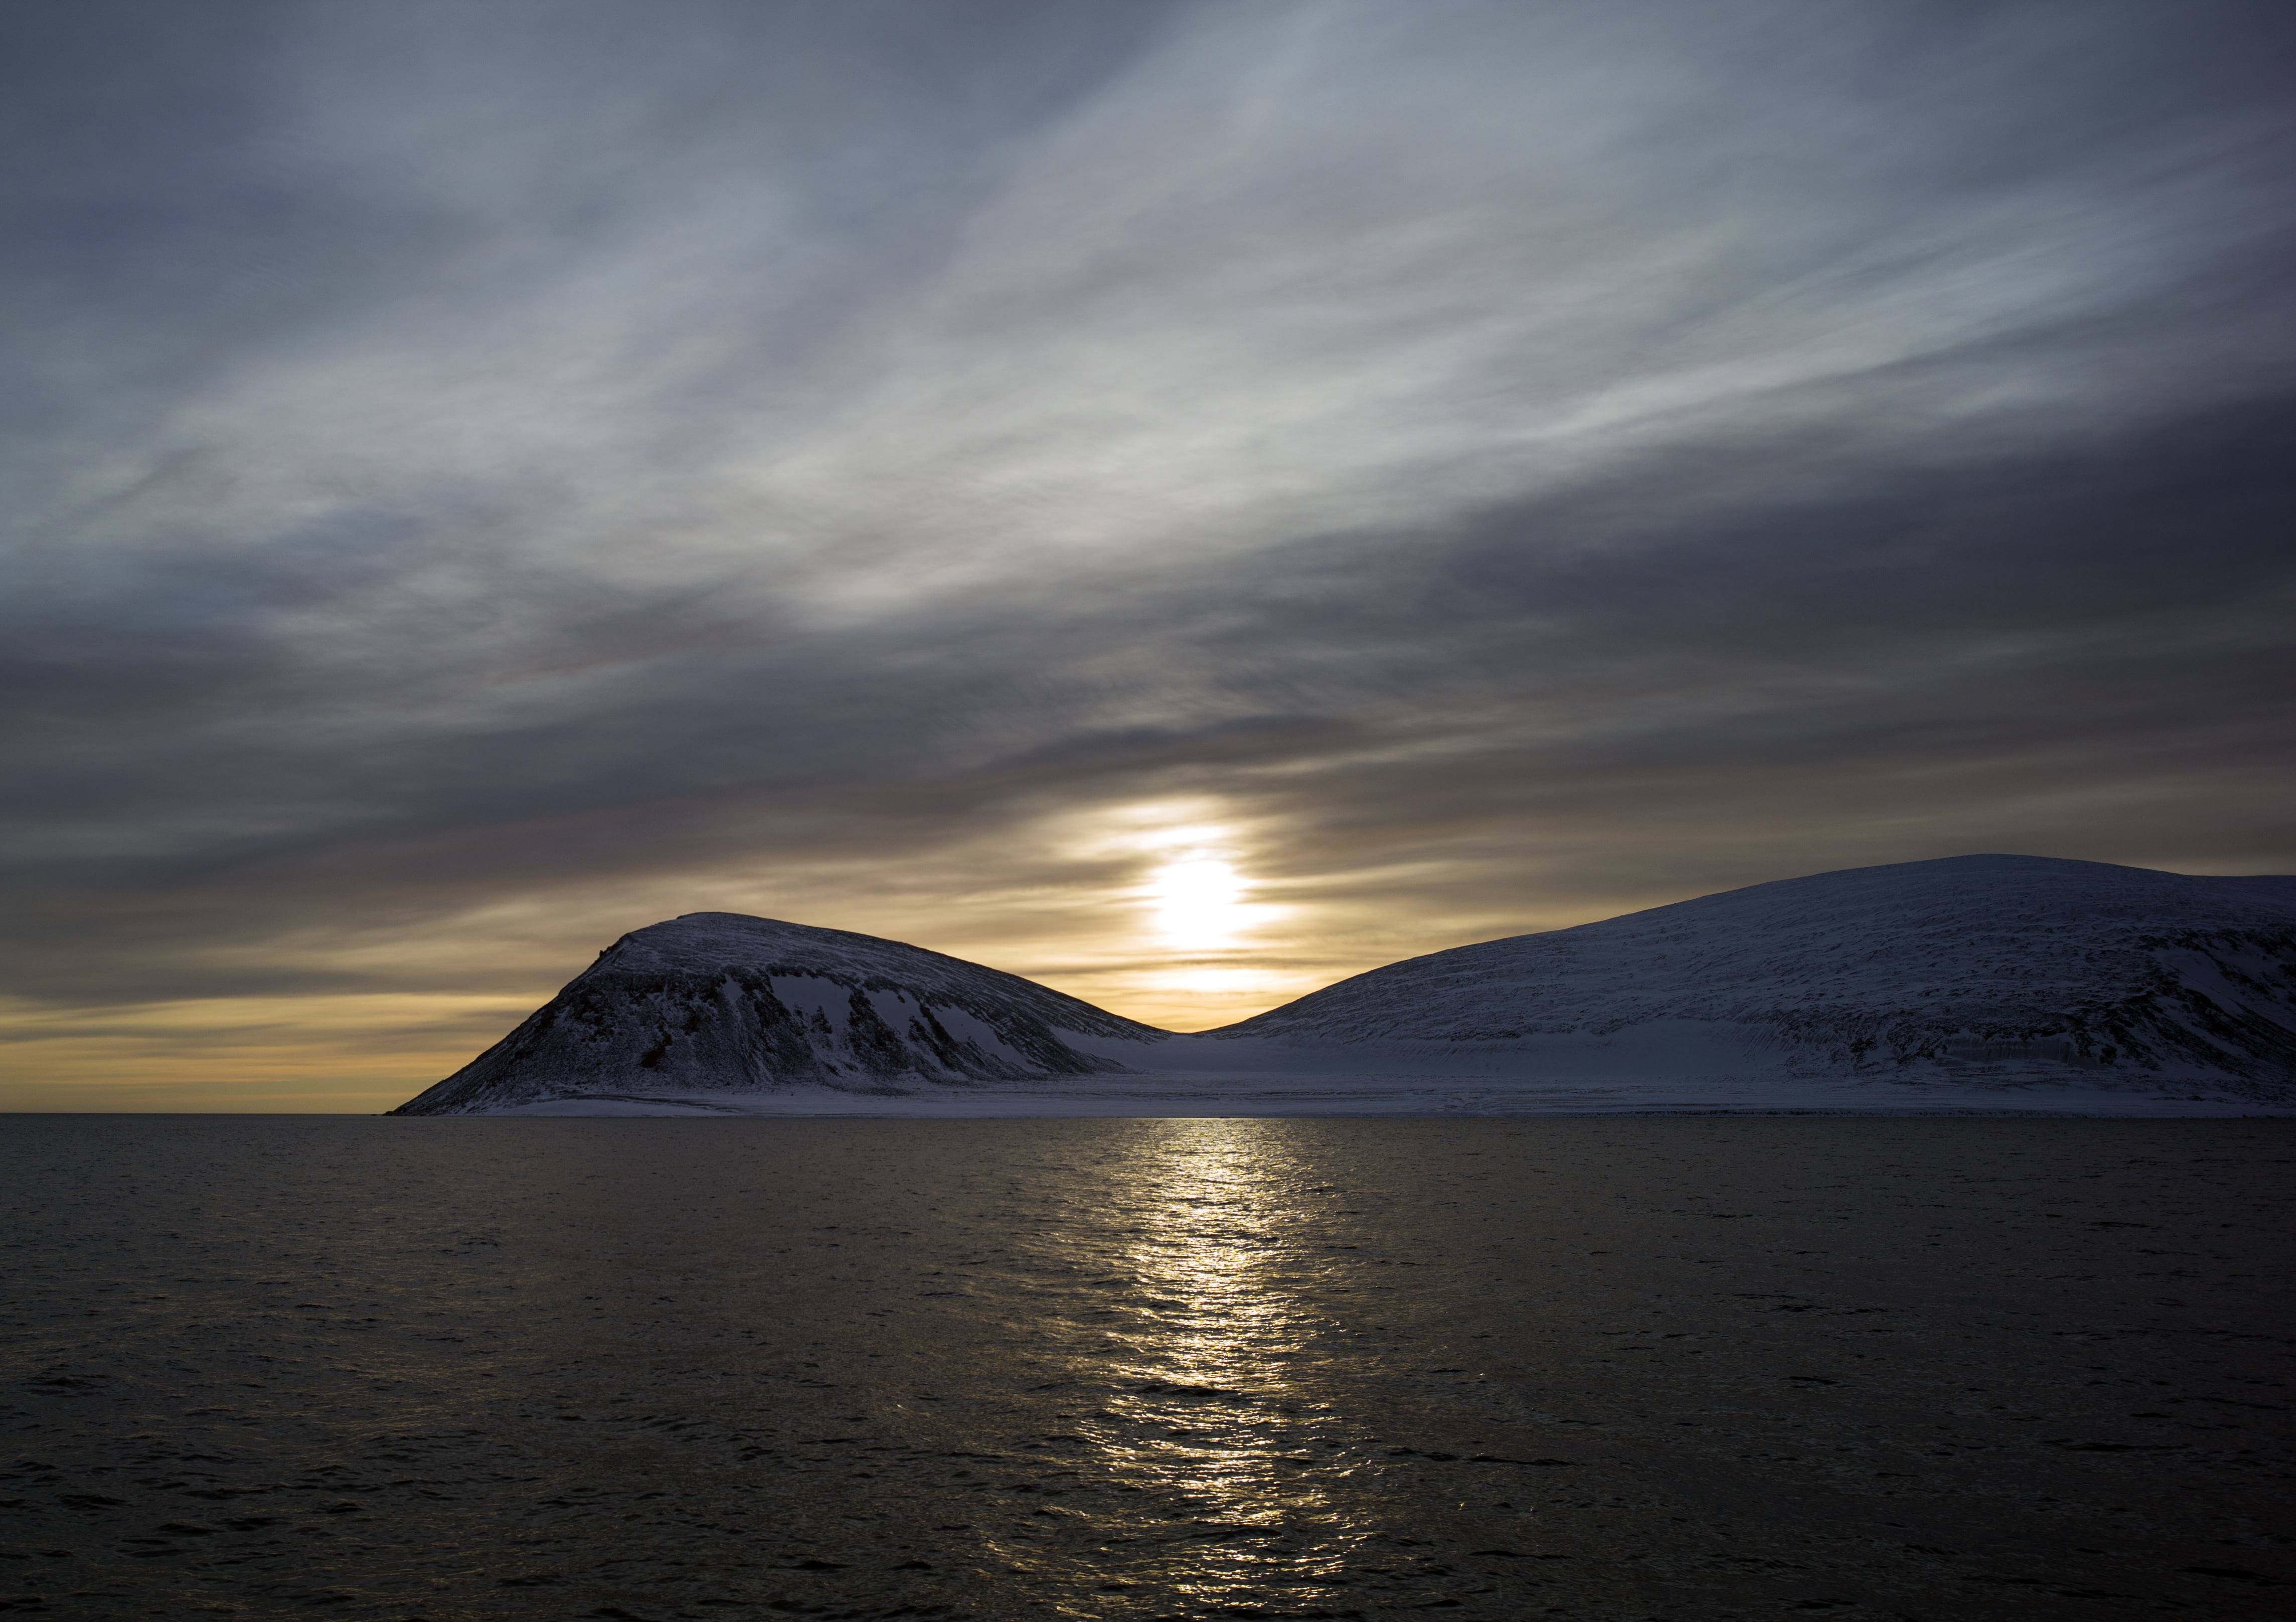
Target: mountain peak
{"x": 712, "y": 1001}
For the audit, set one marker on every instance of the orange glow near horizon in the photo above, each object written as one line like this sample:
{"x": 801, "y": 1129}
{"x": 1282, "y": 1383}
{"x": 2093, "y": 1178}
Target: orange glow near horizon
{"x": 1161, "y": 911}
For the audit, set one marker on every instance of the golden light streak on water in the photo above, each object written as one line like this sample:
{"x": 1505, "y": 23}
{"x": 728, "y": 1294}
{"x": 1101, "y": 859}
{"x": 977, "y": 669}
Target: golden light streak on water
{"x": 1215, "y": 1412}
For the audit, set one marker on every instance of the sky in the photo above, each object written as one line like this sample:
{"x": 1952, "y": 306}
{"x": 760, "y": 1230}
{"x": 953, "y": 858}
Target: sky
{"x": 1182, "y": 501}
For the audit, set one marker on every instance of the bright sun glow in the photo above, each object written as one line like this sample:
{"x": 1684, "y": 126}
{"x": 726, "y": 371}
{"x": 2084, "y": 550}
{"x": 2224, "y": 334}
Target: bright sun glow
{"x": 1197, "y": 901}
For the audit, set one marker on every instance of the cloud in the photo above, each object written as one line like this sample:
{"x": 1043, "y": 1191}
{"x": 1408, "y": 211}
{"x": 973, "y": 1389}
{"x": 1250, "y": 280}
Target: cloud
{"x": 548, "y": 462}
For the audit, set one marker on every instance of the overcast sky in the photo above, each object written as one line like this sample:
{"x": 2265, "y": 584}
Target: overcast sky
{"x": 1182, "y": 501}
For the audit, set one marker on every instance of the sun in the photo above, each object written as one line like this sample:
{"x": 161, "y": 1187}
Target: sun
{"x": 1198, "y": 901}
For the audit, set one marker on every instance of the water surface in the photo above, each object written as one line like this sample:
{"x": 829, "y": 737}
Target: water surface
{"x": 474, "y": 1368}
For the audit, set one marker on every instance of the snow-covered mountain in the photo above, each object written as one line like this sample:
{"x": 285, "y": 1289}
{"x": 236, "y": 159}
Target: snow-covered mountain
{"x": 2015, "y": 964}
{"x": 718, "y": 1002}
{"x": 1982, "y": 982}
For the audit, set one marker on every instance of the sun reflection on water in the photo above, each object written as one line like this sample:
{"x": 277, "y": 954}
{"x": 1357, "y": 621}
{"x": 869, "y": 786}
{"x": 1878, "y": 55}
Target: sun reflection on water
{"x": 1209, "y": 1350}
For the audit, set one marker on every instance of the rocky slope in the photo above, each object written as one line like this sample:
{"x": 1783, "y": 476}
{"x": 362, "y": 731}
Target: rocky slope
{"x": 2031, "y": 963}
{"x": 717, "y": 1002}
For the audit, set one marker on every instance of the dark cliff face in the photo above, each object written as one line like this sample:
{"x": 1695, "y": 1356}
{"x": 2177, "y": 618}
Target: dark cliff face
{"x": 1968, "y": 960}
{"x": 718, "y": 1002}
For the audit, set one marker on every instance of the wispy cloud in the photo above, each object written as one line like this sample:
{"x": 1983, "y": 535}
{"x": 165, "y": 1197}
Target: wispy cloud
{"x": 489, "y": 476}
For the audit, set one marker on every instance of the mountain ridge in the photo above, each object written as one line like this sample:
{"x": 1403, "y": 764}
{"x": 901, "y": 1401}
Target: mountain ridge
{"x": 1949, "y": 959}
{"x": 2016, "y": 970}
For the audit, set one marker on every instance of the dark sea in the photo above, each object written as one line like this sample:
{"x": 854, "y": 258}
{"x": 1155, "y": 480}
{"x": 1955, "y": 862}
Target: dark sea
{"x": 1599, "y": 1368}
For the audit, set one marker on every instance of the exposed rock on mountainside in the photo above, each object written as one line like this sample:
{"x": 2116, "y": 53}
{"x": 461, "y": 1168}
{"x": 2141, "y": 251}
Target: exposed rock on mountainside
{"x": 717, "y": 1002}
{"x": 2031, "y": 962}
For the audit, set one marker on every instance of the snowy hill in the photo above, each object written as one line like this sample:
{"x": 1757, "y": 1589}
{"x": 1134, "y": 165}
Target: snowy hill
{"x": 1983, "y": 983}
{"x": 2016, "y": 965}
{"x": 717, "y": 1002}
